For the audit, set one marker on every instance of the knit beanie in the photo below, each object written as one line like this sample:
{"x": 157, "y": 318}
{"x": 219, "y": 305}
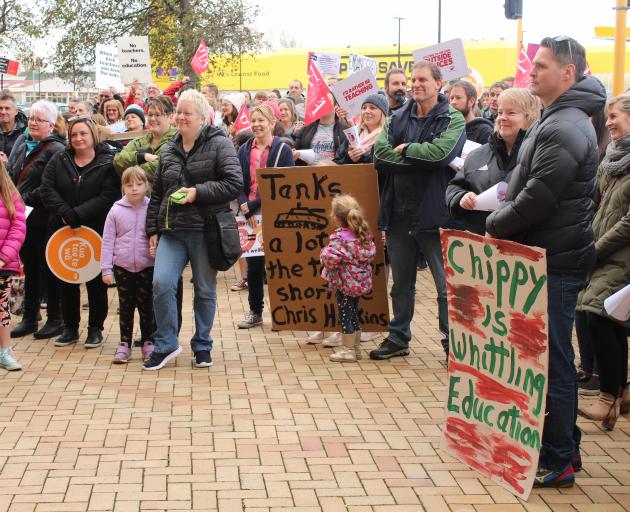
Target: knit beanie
{"x": 379, "y": 101}
{"x": 237, "y": 99}
{"x": 137, "y": 110}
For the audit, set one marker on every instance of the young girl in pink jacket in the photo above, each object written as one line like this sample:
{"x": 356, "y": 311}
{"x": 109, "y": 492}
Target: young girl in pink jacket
{"x": 125, "y": 255}
{"x": 12, "y": 234}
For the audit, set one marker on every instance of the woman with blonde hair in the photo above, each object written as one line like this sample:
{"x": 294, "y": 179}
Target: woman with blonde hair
{"x": 114, "y": 113}
{"x": 289, "y": 120}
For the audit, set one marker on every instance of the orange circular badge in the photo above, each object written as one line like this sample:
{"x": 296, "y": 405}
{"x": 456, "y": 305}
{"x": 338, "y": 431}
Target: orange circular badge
{"x": 74, "y": 255}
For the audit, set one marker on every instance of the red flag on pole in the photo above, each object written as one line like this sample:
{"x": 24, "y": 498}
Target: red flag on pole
{"x": 200, "y": 60}
{"x": 318, "y": 103}
{"x": 242, "y": 121}
{"x": 523, "y": 68}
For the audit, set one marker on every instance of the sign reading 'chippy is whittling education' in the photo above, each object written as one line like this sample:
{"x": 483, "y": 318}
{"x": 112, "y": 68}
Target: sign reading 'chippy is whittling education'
{"x": 497, "y": 382}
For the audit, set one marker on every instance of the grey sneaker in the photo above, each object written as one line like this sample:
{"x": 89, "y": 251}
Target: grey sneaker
{"x": 8, "y": 361}
{"x": 251, "y": 320}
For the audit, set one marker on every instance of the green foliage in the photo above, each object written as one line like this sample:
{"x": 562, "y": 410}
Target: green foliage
{"x": 18, "y": 26}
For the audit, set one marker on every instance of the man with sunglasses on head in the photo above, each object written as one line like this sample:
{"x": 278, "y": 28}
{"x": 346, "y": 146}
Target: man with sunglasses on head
{"x": 548, "y": 204}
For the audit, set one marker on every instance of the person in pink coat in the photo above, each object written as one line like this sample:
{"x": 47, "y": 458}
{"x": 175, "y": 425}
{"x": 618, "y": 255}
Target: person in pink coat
{"x": 12, "y": 235}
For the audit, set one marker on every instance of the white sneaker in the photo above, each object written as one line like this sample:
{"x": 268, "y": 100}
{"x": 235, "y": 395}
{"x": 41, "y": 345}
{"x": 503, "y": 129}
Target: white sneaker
{"x": 368, "y": 336}
{"x": 334, "y": 340}
{"x": 315, "y": 338}
{"x": 8, "y": 361}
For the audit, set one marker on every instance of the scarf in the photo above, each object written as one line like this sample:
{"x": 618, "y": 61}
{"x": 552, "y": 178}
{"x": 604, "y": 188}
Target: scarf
{"x": 617, "y": 159}
{"x": 367, "y": 140}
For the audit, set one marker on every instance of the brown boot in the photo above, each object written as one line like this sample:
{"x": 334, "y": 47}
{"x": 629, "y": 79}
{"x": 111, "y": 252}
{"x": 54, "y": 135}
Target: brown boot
{"x": 625, "y": 400}
{"x": 347, "y": 354}
{"x": 357, "y": 345}
{"x": 604, "y": 409}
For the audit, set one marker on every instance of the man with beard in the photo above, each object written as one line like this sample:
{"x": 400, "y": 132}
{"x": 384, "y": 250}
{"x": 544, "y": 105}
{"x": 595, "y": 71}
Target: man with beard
{"x": 396, "y": 89}
{"x": 463, "y": 97}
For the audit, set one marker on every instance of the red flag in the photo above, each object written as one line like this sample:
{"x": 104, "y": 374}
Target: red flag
{"x": 242, "y": 121}
{"x": 523, "y": 68}
{"x": 200, "y": 61}
{"x": 318, "y": 103}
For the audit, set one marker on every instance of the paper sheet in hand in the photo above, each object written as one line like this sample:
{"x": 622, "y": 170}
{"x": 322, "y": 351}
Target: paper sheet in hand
{"x": 27, "y": 210}
{"x": 458, "y": 162}
{"x": 489, "y": 200}
{"x": 618, "y": 304}
{"x": 353, "y": 135}
{"x": 308, "y": 155}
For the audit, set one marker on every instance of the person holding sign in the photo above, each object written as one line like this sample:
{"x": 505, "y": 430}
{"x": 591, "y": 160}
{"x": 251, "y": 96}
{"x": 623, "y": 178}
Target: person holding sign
{"x": 493, "y": 162}
{"x": 612, "y": 271}
{"x": 262, "y": 151}
{"x": 79, "y": 186}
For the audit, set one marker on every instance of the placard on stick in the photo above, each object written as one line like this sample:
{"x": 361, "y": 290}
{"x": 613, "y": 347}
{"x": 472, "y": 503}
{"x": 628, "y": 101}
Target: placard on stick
{"x": 449, "y": 56}
{"x": 497, "y": 385}
{"x": 351, "y": 91}
{"x": 134, "y": 58}
{"x": 296, "y": 225}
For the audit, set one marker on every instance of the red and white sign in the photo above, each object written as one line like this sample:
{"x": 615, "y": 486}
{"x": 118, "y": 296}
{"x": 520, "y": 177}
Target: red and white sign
{"x": 318, "y": 103}
{"x": 251, "y": 238}
{"x": 449, "y": 56}
{"x": 200, "y": 61}
{"x": 243, "y": 121}
{"x": 8, "y": 66}
{"x": 523, "y": 68}
{"x": 350, "y": 92}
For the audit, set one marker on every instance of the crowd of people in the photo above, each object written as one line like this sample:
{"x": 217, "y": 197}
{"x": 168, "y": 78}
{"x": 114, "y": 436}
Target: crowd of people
{"x": 176, "y": 156}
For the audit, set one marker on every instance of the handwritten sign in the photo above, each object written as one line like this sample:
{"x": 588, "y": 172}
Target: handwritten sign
{"x": 350, "y": 92}
{"x": 497, "y": 386}
{"x": 296, "y": 225}
{"x": 107, "y": 67}
{"x": 251, "y": 238}
{"x": 449, "y": 56}
{"x": 358, "y": 62}
{"x": 134, "y": 58}
{"x": 73, "y": 255}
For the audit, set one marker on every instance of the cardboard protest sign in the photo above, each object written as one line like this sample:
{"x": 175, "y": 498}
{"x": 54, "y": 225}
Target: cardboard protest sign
{"x": 317, "y": 103}
{"x": 134, "y": 58}
{"x": 200, "y": 60}
{"x": 74, "y": 255}
{"x": 350, "y": 92}
{"x": 327, "y": 63}
{"x": 296, "y": 225}
{"x": 107, "y": 67}
{"x": 449, "y": 57}
{"x": 497, "y": 387}
{"x": 358, "y": 62}
{"x": 522, "y": 80}
{"x": 251, "y": 238}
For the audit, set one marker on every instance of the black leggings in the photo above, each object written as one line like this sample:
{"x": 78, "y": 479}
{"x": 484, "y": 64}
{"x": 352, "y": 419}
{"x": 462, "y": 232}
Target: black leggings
{"x": 611, "y": 349}
{"x": 348, "y": 308}
{"x": 135, "y": 290}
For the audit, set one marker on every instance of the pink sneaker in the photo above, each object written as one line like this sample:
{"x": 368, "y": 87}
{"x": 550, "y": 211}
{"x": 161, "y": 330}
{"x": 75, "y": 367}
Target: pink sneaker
{"x": 123, "y": 353}
{"x": 147, "y": 350}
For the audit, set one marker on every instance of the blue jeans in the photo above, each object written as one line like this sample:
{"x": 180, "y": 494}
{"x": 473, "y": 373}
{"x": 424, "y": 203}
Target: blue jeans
{"x": 256, "y": 283}
{"x": 175, "y": 249}
{"x": 561, "y": 437}
{"x": 402, "y": 248}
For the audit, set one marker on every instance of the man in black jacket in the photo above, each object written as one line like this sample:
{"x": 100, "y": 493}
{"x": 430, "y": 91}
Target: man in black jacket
{"x": 548, "y": 204}
{"x": 12, "y": 124}
{"x": 463, "y": 97}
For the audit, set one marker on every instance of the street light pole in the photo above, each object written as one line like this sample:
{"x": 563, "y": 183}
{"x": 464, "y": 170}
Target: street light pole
{"x": 399, "y": 20}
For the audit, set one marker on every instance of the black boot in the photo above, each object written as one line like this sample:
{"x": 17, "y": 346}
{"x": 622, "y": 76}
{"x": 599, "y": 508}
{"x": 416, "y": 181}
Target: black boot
{"x": 94, "y": 337}
{"x": 68, "y": 337}
{"x": 50, "y": 329}
{"x": 23, "y": 328}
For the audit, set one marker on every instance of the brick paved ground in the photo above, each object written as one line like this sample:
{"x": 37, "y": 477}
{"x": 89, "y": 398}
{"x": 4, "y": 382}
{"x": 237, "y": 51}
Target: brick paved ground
{"x": 272, "y": 426}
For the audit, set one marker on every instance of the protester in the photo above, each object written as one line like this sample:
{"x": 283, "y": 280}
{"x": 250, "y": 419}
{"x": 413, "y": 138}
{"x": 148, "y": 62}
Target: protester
{"x": 84, "y": 108}
{"x": 113, "y": 112}
{"x": 395, "y": 89}
{"x": 296, "y": 91}
{"x": 72, "y": 103}
{"x": 79, "y": 186}
{"x": 231, "y": 105}
{"x": 289, "y": 121}
{"x": 263, "y": 150}
{"x": 12, "y": 234}
{"x": 548, "y": 205}
{"x": 125, "y": 256}
{"x": 493, "y": 96}
{"x": 211, "y": 92}
{"x": 259, "y": 98}
{"x": 412, "y": 156}
{"x": 176, "y": 87}
{"x": 12, "y": 124}
{"x": 32, "y": 151}
{"x": 134, "y": 118}
{"x": 493, "y": 162}
{"x": 347, "y": 267}
{"x": 202, "y": 163}
{"x": 611, "y": 226}
{"x": 463, "y": 97}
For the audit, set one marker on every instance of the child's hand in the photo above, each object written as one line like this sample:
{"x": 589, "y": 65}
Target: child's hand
{"x": 108, "y": 280}
{"x": 153, "y": 243}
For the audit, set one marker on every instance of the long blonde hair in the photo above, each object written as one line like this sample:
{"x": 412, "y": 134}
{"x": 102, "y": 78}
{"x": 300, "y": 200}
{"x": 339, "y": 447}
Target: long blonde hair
{"x": 349, "y": 212}
{"x": 7, "y": 190}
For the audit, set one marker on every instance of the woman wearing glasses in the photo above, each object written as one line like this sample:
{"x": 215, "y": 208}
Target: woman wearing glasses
{"x": 31, "y": 153}
{"x": 145, "y": 151}
{"x": 79, "y": 186}
{"x": 112, "y": 111}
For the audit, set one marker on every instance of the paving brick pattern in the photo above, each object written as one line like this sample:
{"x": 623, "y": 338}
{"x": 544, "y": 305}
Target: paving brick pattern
{"x": 272, "y": 426}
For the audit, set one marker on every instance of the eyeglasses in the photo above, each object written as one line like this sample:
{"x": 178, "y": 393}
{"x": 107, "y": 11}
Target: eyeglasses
{"x": 82, "y": 117}
{"x": 34, "y": 120}
{"x": 153, "y": 116}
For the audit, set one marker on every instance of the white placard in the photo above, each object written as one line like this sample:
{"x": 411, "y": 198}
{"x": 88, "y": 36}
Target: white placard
{"x": 449, "y": 56}
{"x": 350, "y": 92}
{"x": 328, "y": 63}
{"x": 358, "y": 62}
{"x": 618, "y": 304}
{"x": 107, "y": 67}
{"x": 353, "y": 135}
{"x": 135, "y": 61}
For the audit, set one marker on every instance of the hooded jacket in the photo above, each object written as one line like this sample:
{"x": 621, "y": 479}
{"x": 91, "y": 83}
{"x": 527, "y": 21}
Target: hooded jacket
{"x": 8, "y": 139}
{"x": 413, "y": 182}
{"x": 12, "y": 234}
{"x": 133, "y": 153}
{"x": 216, "y": 173}
{"x": 80, "y": 196}
{"x": 548, "y": 202}
{"x": 479, "y": 130}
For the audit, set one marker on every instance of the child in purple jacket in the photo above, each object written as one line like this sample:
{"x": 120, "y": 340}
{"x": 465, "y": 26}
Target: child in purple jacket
{"x": 125, "y": 253}
{"x": 347, "y": 266}
{"x": 12, "y": 234}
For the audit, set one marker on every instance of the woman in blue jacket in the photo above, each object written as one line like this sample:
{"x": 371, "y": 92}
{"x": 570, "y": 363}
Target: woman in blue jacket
{"x": 262, "y": 150}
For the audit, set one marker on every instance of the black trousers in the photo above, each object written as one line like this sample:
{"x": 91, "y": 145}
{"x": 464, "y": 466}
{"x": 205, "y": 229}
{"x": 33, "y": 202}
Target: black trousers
{"x": 71, "y": 303}
{"x": 348, "y": 308}
{"x": 37, "y": 276}
{"x": 611, "y": 349}
{"x": 135, "y": 290}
